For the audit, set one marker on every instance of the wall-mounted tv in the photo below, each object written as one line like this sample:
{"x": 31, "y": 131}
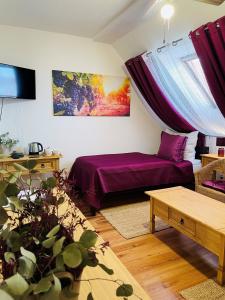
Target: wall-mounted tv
{"x": 17, "y": 82}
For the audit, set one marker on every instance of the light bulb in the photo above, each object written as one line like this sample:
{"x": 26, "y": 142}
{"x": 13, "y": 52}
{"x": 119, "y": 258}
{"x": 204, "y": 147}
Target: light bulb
{"x": 167, "y": 11}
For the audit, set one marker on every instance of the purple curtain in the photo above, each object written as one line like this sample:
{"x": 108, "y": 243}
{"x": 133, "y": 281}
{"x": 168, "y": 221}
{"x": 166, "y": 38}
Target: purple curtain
{"x": 151, "y": 92}
{"x": 209, "y": 43}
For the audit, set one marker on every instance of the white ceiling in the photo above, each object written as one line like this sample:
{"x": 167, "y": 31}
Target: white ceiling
{"x": 102, "y": 20}
{"x": 77, "y": 17}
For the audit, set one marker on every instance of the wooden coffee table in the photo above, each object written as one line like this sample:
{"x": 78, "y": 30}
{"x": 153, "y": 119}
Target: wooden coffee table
{"x": 199, "y": 217}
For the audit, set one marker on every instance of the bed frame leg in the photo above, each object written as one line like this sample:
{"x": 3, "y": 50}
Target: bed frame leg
{"x": 93, "y": 211}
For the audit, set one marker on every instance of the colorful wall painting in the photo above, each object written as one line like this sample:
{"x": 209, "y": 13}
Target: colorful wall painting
{"x": 85, "y": 94}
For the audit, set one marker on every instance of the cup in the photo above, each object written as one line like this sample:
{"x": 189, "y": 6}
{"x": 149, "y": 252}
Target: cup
{"x": 47, "y": 152}
{"x": 221, "y": 152}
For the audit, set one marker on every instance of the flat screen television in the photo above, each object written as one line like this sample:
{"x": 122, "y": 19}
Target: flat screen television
{"x": 17, "y": 82}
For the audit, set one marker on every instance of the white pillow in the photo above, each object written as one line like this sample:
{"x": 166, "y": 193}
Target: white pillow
{"x": 192, "y": 138}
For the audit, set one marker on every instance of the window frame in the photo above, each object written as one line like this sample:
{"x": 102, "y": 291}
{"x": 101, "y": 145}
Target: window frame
{"x": 185, "y": 60}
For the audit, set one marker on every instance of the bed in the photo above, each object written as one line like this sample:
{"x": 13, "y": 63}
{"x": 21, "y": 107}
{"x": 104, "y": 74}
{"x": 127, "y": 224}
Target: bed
{"x": 97, "y": 175}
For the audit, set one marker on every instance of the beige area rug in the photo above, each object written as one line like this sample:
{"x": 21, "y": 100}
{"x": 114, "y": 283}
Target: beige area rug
{"x": 132, "y": 220}
{"x": 207, "y": 290}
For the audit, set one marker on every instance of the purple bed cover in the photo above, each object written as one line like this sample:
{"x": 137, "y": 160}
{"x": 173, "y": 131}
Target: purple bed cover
{"x": 97, "y": 175}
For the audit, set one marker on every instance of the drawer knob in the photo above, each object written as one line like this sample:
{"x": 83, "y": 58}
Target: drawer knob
{"x": 42, "y": 165}
{"x": 181, "y": 221}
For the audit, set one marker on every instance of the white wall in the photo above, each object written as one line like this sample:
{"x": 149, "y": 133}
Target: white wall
{"x": 189, "y": 15}
{"x": 73, "y": 136}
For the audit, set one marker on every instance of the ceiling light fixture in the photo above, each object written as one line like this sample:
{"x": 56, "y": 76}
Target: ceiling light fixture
{"x": 167, "y": 11}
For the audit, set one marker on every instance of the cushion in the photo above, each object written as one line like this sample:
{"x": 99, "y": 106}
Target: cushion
{"x": 218, "y": 185}
{"x": 172, "y": 147}
{"x": 189, "y": 151}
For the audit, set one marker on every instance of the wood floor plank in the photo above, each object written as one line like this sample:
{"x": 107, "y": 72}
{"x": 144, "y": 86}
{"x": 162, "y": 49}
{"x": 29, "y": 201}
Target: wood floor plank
{"x": 164, "y": 263}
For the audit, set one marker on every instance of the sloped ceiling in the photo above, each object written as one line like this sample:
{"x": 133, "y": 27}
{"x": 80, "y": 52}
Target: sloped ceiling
{"x": 102, "y": 20}
{"x": 149, "y": 33}
{"x": 77, "y": 17}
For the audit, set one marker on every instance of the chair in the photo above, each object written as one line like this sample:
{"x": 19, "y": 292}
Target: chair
{"x": 208, "y": 173}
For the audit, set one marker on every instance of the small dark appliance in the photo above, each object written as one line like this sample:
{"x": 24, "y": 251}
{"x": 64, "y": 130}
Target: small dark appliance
{"x": 16, "y": 155}
{"x": 35, "y": 148}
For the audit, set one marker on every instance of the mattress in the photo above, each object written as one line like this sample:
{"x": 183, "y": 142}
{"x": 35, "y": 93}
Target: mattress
{"x": 97, "y": 175}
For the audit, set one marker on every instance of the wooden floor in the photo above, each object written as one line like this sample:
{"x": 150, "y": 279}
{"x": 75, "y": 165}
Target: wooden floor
{"x": 164, "y": 263}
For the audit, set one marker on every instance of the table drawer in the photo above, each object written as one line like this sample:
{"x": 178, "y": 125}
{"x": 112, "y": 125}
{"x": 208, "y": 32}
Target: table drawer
{"x": 178, "y": 219}
{"x": 44, "y": 165}
{"x": 160, "y": 209}
{"x": 10, "y": 167}
{"x": 209, "y": 238}
{"x": 40, "y": 166}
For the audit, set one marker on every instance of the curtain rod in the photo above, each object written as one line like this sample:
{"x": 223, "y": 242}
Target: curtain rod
{"x": 206, "y": 28}
{"x": 174, "y": 43}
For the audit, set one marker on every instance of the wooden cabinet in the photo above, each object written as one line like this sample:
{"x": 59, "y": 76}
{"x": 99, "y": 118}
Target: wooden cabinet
{"x": 45, "y": 164}
{"x": 208, "y": 158}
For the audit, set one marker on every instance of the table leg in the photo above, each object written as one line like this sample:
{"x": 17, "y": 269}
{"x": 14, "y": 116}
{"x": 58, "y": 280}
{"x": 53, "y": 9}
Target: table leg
{"x": 152, "y": 217}
{"x": 221, "y": 264}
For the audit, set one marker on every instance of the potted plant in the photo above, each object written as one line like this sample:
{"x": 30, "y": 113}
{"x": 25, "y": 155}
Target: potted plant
{"x": 6, "y": 143}
{"x": 39, "y": 257}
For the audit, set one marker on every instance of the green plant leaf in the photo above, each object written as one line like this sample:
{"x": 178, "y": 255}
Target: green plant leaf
{"x": 28, "y": 254}
{"x": 8, "y": 256}
{"x": 5, "y": 231}
{"x": 72, "y": 256}
{"x": 3, "y": 216}
{"x": 53, "y": 232}
{"x": 16, "y": 285}
{"x": 37, "y": 242}
{"x": 14, "y": 177}
{"x": 43, "y": 286}
{"x": 13, "y": 241}
{"x": 54, "y": 291}
{"x": 88, "y": 238}
{"x": 124, "y": 290}
{"x": 49, "y": 242}
{"x": 106, "y": 269}
{"x": 51, "y": 182}
{"x": 3, "y": 200}
{"x": 29, "y": 164}
{"x": 12, "y": 190}
{"x": 26, "y": 267}
{"x": 5, "y": 296}
{"x": 57, "y": 248}
{"x": 3, "y": 186}
{"x": 59, "y": 263}
{"x": 19, "y": 167}
{"x": 28, "y": 292}
{"x": 90, "y": 296}
{"x": 18, "y": 204}
{"x": 3, "y": 171}
{"x": 60, "y": 200}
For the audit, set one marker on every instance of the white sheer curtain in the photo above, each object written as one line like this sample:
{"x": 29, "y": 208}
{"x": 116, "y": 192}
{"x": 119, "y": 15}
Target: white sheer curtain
{"x": 178, "y": 72}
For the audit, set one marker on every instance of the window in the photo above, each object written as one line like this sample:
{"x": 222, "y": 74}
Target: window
{"x": 197, "y": 78}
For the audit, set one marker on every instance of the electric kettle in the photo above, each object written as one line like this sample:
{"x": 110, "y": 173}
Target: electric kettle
{"x": 35, "y": 148}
